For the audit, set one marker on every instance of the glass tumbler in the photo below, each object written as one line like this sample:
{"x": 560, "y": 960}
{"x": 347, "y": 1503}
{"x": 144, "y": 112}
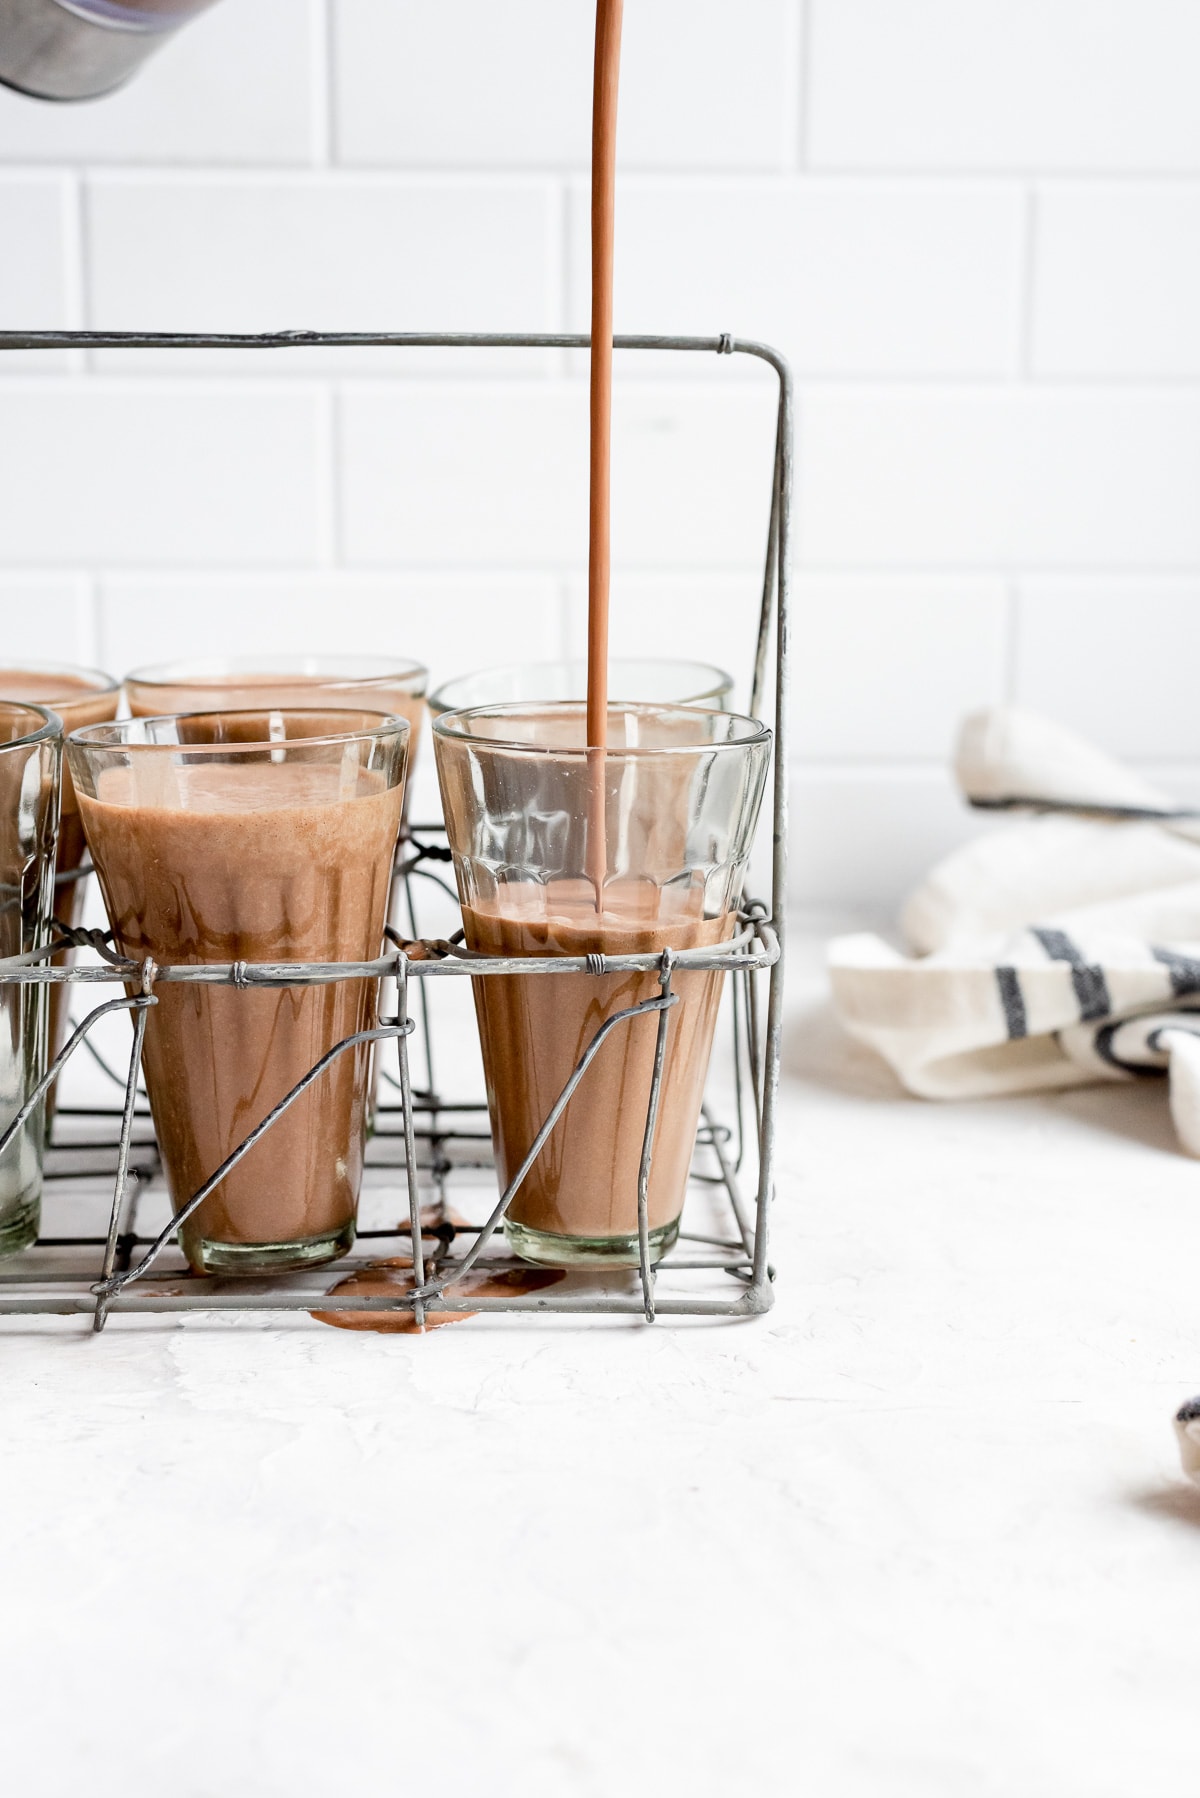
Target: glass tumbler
{"x": 244, "y": 836}
{"x": 377, "y": 683}
{"x": 235, "y": 683}
{"x": 30, "y": 759}
{"x": 640, "y": 680}
{"x": 79, "y": 696}
{"x": 681, "y": 792}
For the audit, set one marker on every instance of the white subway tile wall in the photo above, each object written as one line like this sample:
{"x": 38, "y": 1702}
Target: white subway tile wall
{"x": 705, "y": 84}
{"x": 974, "y": 230}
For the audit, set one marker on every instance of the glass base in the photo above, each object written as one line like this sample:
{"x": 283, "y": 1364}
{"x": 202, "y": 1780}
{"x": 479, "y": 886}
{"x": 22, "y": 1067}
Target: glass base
{"x": 250, "y": 1259}
{"x": 550, "y": 1250}
{"x": 19, "y": 1224}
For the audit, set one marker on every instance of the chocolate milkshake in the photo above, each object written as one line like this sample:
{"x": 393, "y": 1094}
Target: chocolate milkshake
{"x": 583, "y": 1187}
{"x": 681, "y": 793}
{"x": 242, "y": 845}
{"x": 372, "y": 683}
{"x": 79, "y": 696}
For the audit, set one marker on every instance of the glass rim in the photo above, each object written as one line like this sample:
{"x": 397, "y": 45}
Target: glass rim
{"x": 109, "y": 735}
{"x": 345, "y": 670}
{"x": 448, "y": 725}
{"x": 724, "y": 682}
{"x": 50, "y": 728}
{"x": 98, "y": 682}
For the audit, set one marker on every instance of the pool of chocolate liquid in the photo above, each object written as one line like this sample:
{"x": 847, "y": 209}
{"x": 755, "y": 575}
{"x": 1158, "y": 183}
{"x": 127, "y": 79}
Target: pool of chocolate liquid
{"x": 385, "y": 1278}
{"x": 77, "y": 702}
{"x": 534, "y": 1029}
{"x": 251, "y": 861}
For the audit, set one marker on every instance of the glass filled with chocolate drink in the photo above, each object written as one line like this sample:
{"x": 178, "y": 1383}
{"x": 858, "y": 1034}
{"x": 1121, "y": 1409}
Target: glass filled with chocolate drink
{"x": 30, "y": 759}
{"x": 79, "y": 696}
{"x": 254, "y": 683}
{"x": 251, "y": 836}
{"x": 376, "y": 683}
{"x": 677, "y": 791}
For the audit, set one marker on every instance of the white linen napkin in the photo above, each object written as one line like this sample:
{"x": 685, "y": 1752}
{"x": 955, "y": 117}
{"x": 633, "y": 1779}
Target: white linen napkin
{"x": 1060, "y": 951}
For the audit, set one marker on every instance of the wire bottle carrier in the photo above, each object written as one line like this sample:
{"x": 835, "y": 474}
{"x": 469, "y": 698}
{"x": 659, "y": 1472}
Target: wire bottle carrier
{"x": 117, "y": 1266}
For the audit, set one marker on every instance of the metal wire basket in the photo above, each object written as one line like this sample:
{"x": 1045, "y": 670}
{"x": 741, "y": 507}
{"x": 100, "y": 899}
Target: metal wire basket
{"x": 423, "y": 1143}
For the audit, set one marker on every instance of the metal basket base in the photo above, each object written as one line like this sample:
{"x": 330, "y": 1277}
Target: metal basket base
{"x": 706, "y": 1270}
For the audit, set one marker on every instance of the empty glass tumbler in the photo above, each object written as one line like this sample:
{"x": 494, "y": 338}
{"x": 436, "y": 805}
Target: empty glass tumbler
{"x": 642, "y": 680}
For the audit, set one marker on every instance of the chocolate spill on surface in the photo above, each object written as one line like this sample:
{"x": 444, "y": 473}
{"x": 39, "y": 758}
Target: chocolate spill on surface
{"x": 395, "y": 1276}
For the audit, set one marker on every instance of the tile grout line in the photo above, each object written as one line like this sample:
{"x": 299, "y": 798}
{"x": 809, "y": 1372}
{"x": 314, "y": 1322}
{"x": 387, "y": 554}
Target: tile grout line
{"x": 897, "y": 769}
{"x": 745, "y": 384}
{"x": 91, "y": 360}
{"x": 251, "y": 172}
{"x": 321, "y": 64}
{"x": 329, "y": 523}
{"x": 565, "y": 617}
{"x": 74, "y": 249}
{"x": 75, "y": 259}
{"x": 800, "y": 87}
{"x": 330, "y": 169}
{"x": 560, "y": 274}
{"x": 1028, "y": 301}
{"x": 91, "y": 621}
{"x": 744, "y": 574}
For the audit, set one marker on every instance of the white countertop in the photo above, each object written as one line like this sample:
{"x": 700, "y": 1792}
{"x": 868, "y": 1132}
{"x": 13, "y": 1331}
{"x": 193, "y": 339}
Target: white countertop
{"x": 918, "y": 1531}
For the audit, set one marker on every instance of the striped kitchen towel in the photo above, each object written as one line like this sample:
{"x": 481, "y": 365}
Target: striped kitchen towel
{"x": 1060, "y": 950}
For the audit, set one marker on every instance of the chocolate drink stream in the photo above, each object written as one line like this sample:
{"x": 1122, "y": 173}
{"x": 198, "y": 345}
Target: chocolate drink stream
{"x": 78, "y": 701}
{"x": 534, "y": 1029}
{"x": 605, "y": 86}
{"x": 262, "y": 863}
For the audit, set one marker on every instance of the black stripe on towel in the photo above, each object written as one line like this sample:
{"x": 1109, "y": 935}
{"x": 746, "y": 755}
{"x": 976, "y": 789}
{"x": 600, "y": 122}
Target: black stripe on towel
{"x": 1013, "y": 1001}
{"x": 1091, "y": 988}
{"x": 1102, "y": 1042}
{"x": 1155, "y": 1039}
{"x": 1184, "y": 972}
